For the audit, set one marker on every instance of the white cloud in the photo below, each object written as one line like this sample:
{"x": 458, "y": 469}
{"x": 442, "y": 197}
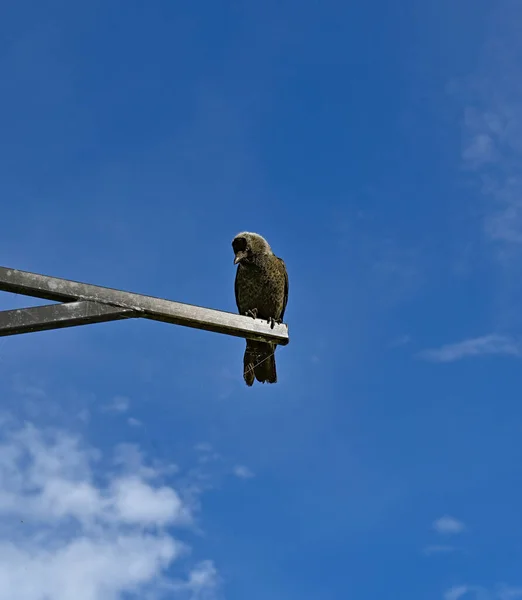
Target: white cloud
{"x": 201, "y": 583}
{"x": 493, "y": 148}
{"x": 68, "y": 530}
{"x": 134, "y": 422}
{"x": 243, "y": 472}
{"x": 480, "y": 346}
{"x": 509, "y": 593}
{"x": 479, "y": 150}
{"x": 202, "y": 580}
{"x": 58, "y": 484}
{"x": 84, "y": 568}
{"x": 119, "y": 404}
{"x": 134, "y": 501}
{"x": 493, "y": 127}
{"x": 457, "y": 592}
{"x": 477, "y": 592}
{"x": 448, "y": 525}
{"x": 203, "y": 447}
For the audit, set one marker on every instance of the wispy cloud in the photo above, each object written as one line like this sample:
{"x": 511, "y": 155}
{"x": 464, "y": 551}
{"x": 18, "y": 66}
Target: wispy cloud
{"x": 438, "y": 549}
{"x": 479, "y": 346}
{"x": 479, "y": 150}
{"x": 477, "y": 592}
{"x": 119, "y": 404}
{"x": 206, "y": 452}
{"x": 203, "y": 579}
{"x": 84, "y": 415}
{"x": 28, "y": 389}
{"x": 448, "y": 525}
{"x": 203, "y": 447}
{"x": 509, "y": 593}
{"x": 243, "y": 472}
{"x": 492, "y": 127}
{"x": 402, "y": 340}
{"x": 457, "y": 592}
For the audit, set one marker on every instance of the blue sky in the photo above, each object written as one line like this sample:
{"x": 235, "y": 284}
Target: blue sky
{"x": 378, "y": 148}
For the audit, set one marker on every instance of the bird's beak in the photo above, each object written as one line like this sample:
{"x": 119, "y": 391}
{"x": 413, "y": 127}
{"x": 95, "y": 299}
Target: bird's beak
{"x": 239, "y": 257}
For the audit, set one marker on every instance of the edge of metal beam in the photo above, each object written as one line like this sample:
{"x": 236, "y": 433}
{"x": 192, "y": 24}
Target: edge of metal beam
{"x": 58, "y": 316}
{"x": 149, "y": 307}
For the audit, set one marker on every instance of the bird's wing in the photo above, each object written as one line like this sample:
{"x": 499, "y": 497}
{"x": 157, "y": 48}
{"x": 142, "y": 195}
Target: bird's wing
{"x": 236, "y": 290}
{"x": 285, "y": 298}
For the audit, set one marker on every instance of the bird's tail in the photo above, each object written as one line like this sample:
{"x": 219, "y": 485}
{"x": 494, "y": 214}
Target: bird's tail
{"x": 259, "y": 363}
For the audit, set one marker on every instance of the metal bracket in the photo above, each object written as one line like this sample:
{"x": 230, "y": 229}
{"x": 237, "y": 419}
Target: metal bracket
{"x": 83, "y": 303}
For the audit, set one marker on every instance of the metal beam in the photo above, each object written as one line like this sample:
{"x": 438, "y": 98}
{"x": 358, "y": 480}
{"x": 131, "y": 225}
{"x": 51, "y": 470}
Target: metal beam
{"x": 149, "y": 307}
{"x": 58, "y": 316}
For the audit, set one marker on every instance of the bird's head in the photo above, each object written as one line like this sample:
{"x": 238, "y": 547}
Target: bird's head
{"x": 248, "y": 246}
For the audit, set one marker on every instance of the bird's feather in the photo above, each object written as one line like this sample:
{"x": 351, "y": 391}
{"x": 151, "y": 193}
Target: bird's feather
{"x": 260, "y": 287}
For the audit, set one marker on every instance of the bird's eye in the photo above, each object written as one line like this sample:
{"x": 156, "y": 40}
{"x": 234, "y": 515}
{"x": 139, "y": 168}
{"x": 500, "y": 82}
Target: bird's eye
{"x": 239, "y": 245}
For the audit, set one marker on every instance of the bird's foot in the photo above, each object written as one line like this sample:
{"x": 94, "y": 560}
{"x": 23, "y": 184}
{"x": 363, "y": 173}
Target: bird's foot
{"x": 252, "y": 313}
{"x": 273, "y": 321}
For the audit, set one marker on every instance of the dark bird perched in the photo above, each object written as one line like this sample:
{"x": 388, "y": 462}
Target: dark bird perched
{"x": 261, "y": 289}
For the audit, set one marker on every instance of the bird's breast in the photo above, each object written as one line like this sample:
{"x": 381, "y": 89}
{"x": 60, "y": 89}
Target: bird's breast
{"x": 260, "y": 288}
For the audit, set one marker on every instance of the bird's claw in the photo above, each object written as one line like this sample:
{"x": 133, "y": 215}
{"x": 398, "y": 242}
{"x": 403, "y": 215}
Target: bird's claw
{"x": 273, "y": 321}
{"x": 252, "y": 313}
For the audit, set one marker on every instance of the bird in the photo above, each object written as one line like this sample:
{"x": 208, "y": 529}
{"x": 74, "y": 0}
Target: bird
{"x": 261, "y": 290}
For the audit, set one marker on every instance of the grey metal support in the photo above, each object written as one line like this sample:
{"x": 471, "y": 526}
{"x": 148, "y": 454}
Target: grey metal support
{"x": 58, "y": 316}
{"x": 85, "y": 303}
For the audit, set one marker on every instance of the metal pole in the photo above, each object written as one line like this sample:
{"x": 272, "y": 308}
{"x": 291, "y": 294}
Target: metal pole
{"x": 148, "y": 307}
{"x": 58, "y": 316}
